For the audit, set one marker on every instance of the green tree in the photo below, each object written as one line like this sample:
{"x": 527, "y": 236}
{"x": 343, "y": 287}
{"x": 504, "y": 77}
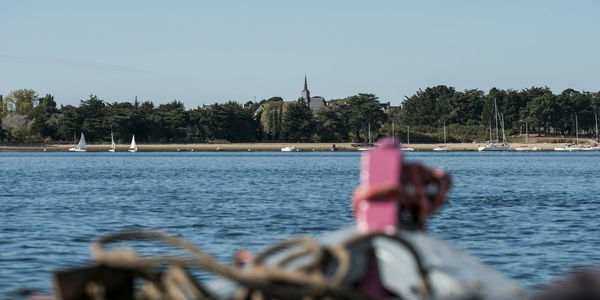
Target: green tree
{"x": 69, "y": 123}
{"x": 271, "y": 118}
{"x": 332, "y": 122}
{"x": 171, "y": 120}
{"x": 17, "y": 125}
{"x": 45, "y": 118}
{"x": 232, "y": 122}
{"x": 298, "y": 123}
{"x": 364, "y": 111}
{"x": 427, "y": 106}
{"x": 93, "y": 123}
{"x": 21, "y": 101}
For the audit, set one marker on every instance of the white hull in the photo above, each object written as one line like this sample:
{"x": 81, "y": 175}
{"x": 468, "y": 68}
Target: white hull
{"x": 568, "y": 148}
{"x": 111, "y": 150}
{"x": 407, "y": 149}
{"x": 494, "y": 147}
{"x": 527, "y": 149}
{"x": 77, "y": 150}
{"x": 442, "y": 149}
{"x": 288, "y": 149}
{"x": 591, "y": 148}
{"x": 132, "y": 150}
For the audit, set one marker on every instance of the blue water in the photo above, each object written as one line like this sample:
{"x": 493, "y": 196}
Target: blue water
{"x": 532, "y": 216}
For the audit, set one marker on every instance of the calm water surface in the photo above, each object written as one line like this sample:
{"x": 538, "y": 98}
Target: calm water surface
{"x": 532, "y": 216}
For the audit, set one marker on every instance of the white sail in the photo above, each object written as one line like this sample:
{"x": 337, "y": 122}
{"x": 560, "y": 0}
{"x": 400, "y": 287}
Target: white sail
{"x": 112, "y": 142}
{"x": 81, "y": 146}
{"x": 133, "y": 146}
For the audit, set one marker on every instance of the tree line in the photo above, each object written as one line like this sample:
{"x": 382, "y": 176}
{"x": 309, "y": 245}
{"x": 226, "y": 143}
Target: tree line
{"x": 469, "y": 115}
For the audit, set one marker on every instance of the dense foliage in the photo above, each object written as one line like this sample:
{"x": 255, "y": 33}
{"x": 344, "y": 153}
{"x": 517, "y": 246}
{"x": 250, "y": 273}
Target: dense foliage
{"x": 468, "y": 115}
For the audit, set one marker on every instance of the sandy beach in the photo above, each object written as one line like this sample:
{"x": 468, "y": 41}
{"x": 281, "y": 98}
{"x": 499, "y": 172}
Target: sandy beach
{"x": 254, "y": 147}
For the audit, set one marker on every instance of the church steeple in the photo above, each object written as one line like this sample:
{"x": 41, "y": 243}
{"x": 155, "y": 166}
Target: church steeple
{"x": 305, "y": 92}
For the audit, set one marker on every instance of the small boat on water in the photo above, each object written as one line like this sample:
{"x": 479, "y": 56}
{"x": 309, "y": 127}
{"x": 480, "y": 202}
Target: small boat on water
{"x": 592, "y": 147}
{"x": 133, "y": 146}
{"x": 494, "y": 146}
{"x": 573, "y": 147}
{"x": 112, "y": 143}
{"x": 185, "y": 150}
{"x": 369, "y": 145}
{"x": 443, "y": 148}
{"x": 81, "y": 146}
{"x": 568, "y": 148}
{"x": 289, "y": 149}
{"x": 526, "y": 148}
{"x": 407, "y": 147}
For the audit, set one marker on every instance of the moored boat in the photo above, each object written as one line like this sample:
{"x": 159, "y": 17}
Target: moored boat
{"x": 81, "y": 146}
{"x": 112, "y": 143}
{"x": 526, "y": 148}
{"x": 592, "y": 147}
{"x": 492, "y": 146}
{"x": 133, "y": 147}
{"x": 443, "y": 148}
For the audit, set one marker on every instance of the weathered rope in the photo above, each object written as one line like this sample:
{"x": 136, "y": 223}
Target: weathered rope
{"x": 307, "y": 280}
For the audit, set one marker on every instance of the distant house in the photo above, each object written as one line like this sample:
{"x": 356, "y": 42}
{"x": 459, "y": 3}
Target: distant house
{"x": 258, "y": 111}
{"x": 385, "y": 106}
{"x": 314, "y": 103}
{"x": 192, "y": 132}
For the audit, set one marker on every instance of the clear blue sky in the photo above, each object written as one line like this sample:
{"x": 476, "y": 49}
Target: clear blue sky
{"x": 202, "y": 52}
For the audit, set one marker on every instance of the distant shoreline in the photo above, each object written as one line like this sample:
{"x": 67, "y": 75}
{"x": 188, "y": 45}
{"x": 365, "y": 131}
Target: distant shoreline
{"x": 252, "y": 147}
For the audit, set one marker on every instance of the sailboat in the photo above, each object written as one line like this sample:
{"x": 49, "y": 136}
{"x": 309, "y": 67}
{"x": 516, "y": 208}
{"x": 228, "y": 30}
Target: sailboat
{"x": 81, "y": 146}
{"x": 406, "y": 147}
{"x": 369, "y": 145}
{"x": 571, "y": 147}
{"x": 526, "y": 146}
{"x": 133, "y": 146}
{"x": 112, "y": 143}
{"x": 443, "y": 148}
{"x": 493, "y": 144}
{"x": 595, "y": 146}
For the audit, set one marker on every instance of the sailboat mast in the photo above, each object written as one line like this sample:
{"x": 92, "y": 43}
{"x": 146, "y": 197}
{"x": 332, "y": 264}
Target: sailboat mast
{"x": 576, "y": 131}
{"x": 444, "y": 133}
{"x": 526, "y": 133}
{"x": 369, "y": 133}
{"x": 596, "y": 118}
{"x": 496, "y": 117}
{"x": 503, "y": 136}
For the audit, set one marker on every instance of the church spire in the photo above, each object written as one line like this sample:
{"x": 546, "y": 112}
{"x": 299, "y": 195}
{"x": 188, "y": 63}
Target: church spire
{"x": 305, "y": 84}
{"x": 305, "y": 92}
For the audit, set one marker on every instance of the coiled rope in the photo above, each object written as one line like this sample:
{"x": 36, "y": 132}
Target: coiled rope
{"x": 257, "y": 280}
